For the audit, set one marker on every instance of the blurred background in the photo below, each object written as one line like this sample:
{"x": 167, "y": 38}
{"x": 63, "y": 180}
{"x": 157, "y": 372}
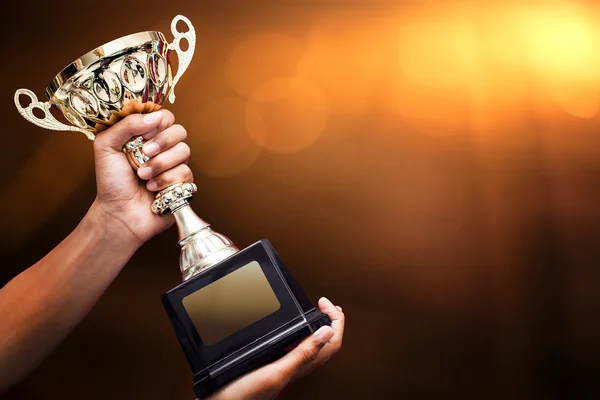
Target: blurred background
{"x": 432, "y": 167}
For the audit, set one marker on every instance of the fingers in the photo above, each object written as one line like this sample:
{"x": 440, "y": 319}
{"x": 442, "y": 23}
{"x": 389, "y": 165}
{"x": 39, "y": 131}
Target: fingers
{"x": 180, "y": 173}
{"x": 335, "y": 343}
{"x": 117, "y": 135}
{"x": 304, "y": 354}
{"x": 167, "y": 121}
{"x": 165, "y": 140}
{"x": 338, "y": 320}
{"x": 267, "y": 381}
{"x": 178, "y": 154}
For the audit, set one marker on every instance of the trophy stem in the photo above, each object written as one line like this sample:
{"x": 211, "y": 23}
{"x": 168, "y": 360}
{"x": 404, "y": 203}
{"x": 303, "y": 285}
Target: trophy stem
{"x": 201, "y": 247}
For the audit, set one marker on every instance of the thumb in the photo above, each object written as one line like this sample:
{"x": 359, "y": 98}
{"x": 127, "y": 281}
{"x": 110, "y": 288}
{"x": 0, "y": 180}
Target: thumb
{"x": 267, "y": 381}
{"x": 305, "y": 353}
{"x": 114, "y": 138}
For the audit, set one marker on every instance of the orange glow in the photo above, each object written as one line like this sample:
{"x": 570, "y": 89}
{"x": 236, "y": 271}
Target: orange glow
{"x": 501, "y": 56}
{"x": 432, "y": 111}
{"x": 580, "y": 99}
{"x": 275, "y": 89}
{"x": 291, "y": 116}
{"x": 222, "y": 148}
{"x": 259, "y": 58}
{"x": 439, "y": 47}
{"x": 350, "y": 56}
{"x": 446, "y": 64}
{"x": 432, "y": 166}
{"x": 561, "y": 42}
{"x": 559, "y": 39}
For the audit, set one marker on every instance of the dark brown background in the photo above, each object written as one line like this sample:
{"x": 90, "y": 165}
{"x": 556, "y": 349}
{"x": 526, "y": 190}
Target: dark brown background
{"x": 452, "y": 211}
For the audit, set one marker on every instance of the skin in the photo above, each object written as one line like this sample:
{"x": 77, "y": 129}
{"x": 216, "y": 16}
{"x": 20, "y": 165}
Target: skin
{"x": 42, "y": 305}
{"x": 267, "y": 382}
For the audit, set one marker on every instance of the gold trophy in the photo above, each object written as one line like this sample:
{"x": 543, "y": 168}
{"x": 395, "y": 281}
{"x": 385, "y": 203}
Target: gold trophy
{"x": 235, "y": 310}
{"x": 129, "y": 75}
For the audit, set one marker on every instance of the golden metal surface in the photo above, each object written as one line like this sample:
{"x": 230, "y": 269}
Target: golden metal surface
{"x": 99, "y": 55}
{"x": 133, "y": 150}
{"x": 231, "y": 303}
{"x": 175, "y": 196}
{"x": 48, "y": 121}
{"x": 132, "y": 74}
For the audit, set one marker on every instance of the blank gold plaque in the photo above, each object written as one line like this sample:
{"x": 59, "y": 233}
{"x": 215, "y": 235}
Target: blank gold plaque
{"x": 231, "y": 303}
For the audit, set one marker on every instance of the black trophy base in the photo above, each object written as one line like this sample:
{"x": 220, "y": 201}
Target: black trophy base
{"x": 243, "y": 312}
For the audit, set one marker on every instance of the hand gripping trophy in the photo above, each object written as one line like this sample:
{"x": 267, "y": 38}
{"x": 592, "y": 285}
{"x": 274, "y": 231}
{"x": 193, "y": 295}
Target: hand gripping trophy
{"x": 236, "y": 309}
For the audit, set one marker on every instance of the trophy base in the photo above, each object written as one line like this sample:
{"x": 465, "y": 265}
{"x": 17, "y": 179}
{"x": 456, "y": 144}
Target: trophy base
{"x": 241, "y": 313}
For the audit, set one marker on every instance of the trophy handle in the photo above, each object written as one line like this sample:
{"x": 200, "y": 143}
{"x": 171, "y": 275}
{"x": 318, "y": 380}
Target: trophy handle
{"x": 48, "y": 121}
{"x": 185, "y": 57}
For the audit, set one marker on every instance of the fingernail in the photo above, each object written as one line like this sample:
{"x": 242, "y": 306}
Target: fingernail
{"x": 325, "y": 333}
{"x": 339, "y": 308}
{"x": 152, "y": 117}
{"x": 325, "y": 299}
{"x": 145, "y": 172}
{"x": 152, "y": 186}
{"x": 150, "y": 149}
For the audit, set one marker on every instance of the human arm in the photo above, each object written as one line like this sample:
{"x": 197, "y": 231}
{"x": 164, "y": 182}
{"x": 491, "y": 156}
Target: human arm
{"x": 41, "y": 306}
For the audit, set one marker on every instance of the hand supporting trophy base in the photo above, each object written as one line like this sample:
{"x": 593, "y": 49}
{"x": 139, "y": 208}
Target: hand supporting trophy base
{"x": 236, "y": 309}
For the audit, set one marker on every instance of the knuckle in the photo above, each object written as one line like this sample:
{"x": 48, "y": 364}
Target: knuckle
{"x": 187, "y": 174}
{"x": 180, "y": 173}
{"x": 168, "y": 115}
{"x": 160, "y": 180}
{"x": 181, "y": 131}
{"x": 335, "y": 347}
{"x": 185, "y": 150}
{"x": 131, "y": 121}
{"x": 159, "y": 163}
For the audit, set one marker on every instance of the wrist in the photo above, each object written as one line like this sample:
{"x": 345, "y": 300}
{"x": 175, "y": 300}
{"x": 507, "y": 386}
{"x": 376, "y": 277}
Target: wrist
{"x": 115, "y": 231}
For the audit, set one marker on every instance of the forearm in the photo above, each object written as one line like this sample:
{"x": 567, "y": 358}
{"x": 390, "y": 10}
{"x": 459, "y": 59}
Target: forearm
{"x": 41, "y": 306}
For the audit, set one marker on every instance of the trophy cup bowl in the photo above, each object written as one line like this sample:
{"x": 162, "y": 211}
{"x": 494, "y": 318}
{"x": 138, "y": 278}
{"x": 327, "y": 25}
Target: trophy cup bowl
{"x": 132, "y": 74}
{"x": 236, "y": 309}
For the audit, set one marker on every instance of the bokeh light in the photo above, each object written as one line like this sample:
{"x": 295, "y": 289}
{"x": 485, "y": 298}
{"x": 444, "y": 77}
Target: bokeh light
{"x": 430, "y": 165}
{"x": 433, "y": 111}
{"x": 259, "y": 58}
{"x": 562, "y": 48}
{"x": 350, "y": 56}
{"x": 503, "y": 58}
{"x": 291, "y": 114}
{"x": 439, "y": 47}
